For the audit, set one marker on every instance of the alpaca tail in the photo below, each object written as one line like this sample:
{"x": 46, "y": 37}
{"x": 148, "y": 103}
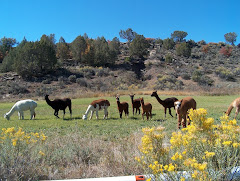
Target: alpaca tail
{"x": 229, "y": 110}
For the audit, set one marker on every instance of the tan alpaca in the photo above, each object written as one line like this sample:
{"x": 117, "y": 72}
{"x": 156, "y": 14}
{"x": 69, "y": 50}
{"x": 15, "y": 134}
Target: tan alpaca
{"x": 234, "y": 104}
{"x": 146, "y": 109}
{"x": 182, "y": 108}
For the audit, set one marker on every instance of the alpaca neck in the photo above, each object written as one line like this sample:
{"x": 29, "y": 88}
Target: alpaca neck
{"x": 90, "y": 108}
{"x": 132, "y": 99}
{"x": 13, "y": 109}
{"x": 159, "y": 100}
{"x": 48, "y": 101}
{"x": 118, "y": 103}
{"x": 229, "y": 110}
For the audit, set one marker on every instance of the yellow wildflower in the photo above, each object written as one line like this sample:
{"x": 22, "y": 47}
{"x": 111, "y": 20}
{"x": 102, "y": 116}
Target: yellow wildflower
{"x": 209, "y": 154}
{"x": 227, "y": 143}
{"x": 41, "y": 153}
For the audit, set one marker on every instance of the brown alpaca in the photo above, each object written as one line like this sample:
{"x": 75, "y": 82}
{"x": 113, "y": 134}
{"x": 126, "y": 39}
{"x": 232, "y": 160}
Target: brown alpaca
{"x": 234, "y": 104}
{"x": 123, "y": 106}
{"x": 146, "y": 109}
{"x": 182, "y": 108}
{"x": 166, "y": 103}
{"x": 135, "y": 104}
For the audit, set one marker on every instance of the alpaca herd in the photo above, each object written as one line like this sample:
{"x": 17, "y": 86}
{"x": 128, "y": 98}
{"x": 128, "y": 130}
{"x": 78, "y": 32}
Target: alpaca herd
{"x": 181, "y": 107}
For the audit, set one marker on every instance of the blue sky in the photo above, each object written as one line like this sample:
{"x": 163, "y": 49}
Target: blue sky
{"x": 205, "y": 20}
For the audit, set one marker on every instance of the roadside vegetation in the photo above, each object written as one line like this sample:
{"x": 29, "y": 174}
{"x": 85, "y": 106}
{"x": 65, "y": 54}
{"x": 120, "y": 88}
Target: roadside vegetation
{"x": 75, "y": 148}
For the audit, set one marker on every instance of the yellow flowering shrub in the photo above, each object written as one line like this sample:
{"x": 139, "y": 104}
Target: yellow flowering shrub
{"x": 206, "y": 151}
{"x": 20, "y": 152}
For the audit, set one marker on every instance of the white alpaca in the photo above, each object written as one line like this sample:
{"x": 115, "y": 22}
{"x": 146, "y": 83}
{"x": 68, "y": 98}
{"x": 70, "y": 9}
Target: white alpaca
{"x": 21, "y": 106}
{"x": 96, "y": 106}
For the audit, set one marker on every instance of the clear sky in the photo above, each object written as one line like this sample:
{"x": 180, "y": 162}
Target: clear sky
{"x": 205, "y": 20}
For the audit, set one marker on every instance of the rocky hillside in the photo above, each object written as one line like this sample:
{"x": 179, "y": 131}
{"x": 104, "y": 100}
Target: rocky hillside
{"x": 210, "y": 67}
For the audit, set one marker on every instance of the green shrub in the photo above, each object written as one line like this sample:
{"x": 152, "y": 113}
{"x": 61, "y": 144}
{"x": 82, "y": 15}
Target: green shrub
{"x": 72, "y": 78}
{"x": 168, "y": 44}
{"x": 168, "y": 82}
{"x": 168, "y": 58}
{"x": 224, "y": 73}
{"x": 183, "y": 49}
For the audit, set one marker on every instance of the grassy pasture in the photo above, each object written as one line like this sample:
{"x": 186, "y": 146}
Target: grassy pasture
{"x": 99, "y": 147}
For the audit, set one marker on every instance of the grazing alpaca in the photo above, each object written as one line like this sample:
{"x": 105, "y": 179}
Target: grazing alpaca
{"x": 60, "y": 104}
{"x": 135, "y": 104}
{"x": 123, "y": 106}
{"x": 146, "y": 109}
{"x": 182, "y": 108}
{"x": 234, "y": 104}
{"x": 21, "y": 106}
{"x": 166, "y": 103}
{"x": 96, "y": 106}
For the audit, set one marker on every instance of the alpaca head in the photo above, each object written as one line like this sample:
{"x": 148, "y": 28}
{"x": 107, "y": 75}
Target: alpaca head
{"x": 46, "y": 96}
{"x": 117, "y": 97}
{"x": 154, "y": 94}
{"x": 6, "y": 116}
{"x": 141, "y": 100}
{"x": 84, "y": 117}
{"x": 177, "y": 105}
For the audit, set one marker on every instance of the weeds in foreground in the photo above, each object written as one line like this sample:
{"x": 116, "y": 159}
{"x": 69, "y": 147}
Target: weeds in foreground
{"x": 202, "y": 151}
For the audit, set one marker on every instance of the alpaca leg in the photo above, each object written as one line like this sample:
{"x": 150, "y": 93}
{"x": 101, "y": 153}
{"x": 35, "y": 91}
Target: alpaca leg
{"x": 56, "y": 113}
{"x": 138, "y": 110}
{"x": 133, "y": 110}
{"x": 19, "y": 116}
{"x": 147, "y": 115}
{"x": 170, "y": 112}
{"x": 70, "y": 110}
{"x": 179, "y": 121}
{"x": 143, "y": 115}
{"x": 236, "y": 113}
{"x": 105, "y": 113}
{"x": 96, "y": 114}
{"x": 120, "y": 114}
{"x": 91, "y": 115}
{"x": 184, "y": 121}
{"x": 165, "y": 111}
{"x": 32, "y": 114}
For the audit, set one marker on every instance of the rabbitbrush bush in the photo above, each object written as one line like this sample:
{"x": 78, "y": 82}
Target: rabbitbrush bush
{"x": 20, "y": 154}
{"x": 203, "y": 150}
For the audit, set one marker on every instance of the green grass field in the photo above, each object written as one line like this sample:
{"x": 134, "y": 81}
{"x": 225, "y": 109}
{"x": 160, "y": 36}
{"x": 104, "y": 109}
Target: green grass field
{"x": 113, "y": 127}
{"x": 99, "y": 148}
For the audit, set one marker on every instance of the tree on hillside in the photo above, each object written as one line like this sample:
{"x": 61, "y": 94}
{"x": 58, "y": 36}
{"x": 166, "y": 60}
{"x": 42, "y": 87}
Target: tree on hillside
{"x": 168, "y": 43}
{"x": 63, "y": 51}
{"x": 129, "y": 34}
{"x": 178, "y": 36}
{"x": 78, "y": 48}
{"x": 183, "y": 49}
{"x": 230, "y": 37}
{"x": 6, "y": 45}
{"x": 114, "y": 47}
{"x": 139, "y": 46}
{"x": 31, "y": 59}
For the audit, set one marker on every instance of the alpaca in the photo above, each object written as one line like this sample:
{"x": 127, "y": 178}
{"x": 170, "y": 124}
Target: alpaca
{"x": 146, "y": 109}
{"x": 135, "y": 104}
{"x": 166, "y": 103}
{"x": 123, "y": 106}
{"x": 60, "y": 104}
{"x": 234, "y": 104}
{"x": 21, "y": 106}
{"x": 182, "y": 108}
{"x": 96, "y": 106}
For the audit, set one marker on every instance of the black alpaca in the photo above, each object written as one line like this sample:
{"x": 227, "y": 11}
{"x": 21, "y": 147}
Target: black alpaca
{"x": 60, "y": 104}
